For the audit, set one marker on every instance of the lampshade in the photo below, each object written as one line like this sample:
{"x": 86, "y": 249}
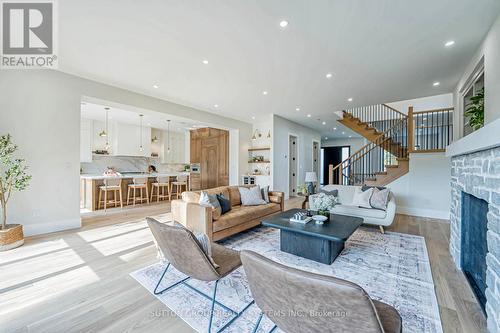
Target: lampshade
{"x": 311, "y": 177}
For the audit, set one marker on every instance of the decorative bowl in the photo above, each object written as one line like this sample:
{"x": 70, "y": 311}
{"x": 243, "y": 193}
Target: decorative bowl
{"x": 319, "y": 219}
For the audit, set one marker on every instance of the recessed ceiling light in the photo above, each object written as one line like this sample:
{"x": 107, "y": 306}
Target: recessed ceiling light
{"x": 216, "y": 106}
{"x": 308, "y": 116}
{"x": 349, "y": 99}
{"x": 329, "y": 75}
{"x": 156, "y": 86}
{"x": 335, "y": 128}
{"x": 449, "y": 43}
{"x": 350, "y": 136}
{"x": 264, "y": 92}
{"x": 326, "y": 138}
{"x": 435, "y": 84}
{"x": 297, "y": 109}
{"x": 253, "y": 117}
{"x": 343, "y": 132}
{"x": 283, "y": 23}
{"x": 324, "y": 123}
{"x": 205, "y": 61}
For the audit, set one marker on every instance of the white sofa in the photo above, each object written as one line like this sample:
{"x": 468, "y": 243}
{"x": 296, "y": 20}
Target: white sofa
{"x": 370, "y": 215}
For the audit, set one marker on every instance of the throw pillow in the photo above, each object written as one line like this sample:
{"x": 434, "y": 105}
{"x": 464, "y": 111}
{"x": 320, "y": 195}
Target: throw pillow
{"x": 251, "y": 196}
{"x": 211, "y": 201}
{"x": 380, "y": 198}
{"x": 265, "y": 193}
{"x": 335, "y": 192}
{"x": 366, "y": 187}
{"x": 206, "y": 246}
{"x": 362, "y": 199}
{"x": 225, "y": 204}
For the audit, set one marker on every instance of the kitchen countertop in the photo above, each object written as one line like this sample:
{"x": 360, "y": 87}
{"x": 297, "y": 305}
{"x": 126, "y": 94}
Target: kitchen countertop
{"x": 149, "y": 175}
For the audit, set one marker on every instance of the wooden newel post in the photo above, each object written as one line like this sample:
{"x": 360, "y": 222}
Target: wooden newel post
{"x": 330, "y": 174}
{"x": 411, "y": 134}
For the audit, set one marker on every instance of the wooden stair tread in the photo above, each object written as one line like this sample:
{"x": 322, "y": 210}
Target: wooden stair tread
{"x": 392, "y": 166}
{"x": 381, "y": 173}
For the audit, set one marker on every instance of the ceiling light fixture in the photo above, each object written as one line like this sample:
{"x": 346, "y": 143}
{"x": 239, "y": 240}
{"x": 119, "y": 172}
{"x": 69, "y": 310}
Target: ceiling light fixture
{"x": 326, "y": 138}
{"x": 283, "y": 24}
{"x": 105, "y": 132}
{"x": 435, "y": 84}
{"x": 343, "y": 132}
{"x": 253, "y": 117}
{"x": 350, "y": 136}
{"x": 449, "y": 43}
{"x": 349, "y": 99}
{"x": 205, "y": 61}
{"x": 324, "y": 123}
{"x": 156, "y": 86}
{"x": 264, "y": 92}
{"x": 297, "y": 109}
{"x": 335, "y": 128}
{"x": 216, "y": 106}
{"x": 308, "y": 116}
{"x": 329, "y": 75}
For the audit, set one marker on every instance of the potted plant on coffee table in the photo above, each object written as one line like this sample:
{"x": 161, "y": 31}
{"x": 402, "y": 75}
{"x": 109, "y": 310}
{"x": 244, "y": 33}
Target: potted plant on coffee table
{"x": 13, "y": 177}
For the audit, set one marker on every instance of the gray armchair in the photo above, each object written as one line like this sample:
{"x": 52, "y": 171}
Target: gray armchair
{"x": 183, "y": 251}
{"x": 298, "y": 301}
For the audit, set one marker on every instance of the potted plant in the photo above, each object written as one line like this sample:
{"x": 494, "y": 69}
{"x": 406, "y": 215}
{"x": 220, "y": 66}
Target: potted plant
{"x": 302, "y": 189}
{"x": 475, "y": 111}
{"x": 13, "y": 177}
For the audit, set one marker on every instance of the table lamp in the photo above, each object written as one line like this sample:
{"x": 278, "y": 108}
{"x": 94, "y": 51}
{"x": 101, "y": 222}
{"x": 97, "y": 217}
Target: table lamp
{"x": 311, "y": 178}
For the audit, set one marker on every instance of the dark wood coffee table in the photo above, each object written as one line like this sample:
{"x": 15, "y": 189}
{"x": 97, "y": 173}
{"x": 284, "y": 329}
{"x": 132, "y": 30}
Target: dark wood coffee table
{"x": 321, "y": 243}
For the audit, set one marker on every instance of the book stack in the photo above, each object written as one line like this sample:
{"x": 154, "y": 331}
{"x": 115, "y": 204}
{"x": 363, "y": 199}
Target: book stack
{"x": 300, "y": 217}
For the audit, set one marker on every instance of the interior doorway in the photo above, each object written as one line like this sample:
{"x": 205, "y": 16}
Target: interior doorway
{"x": 292, "y": 182}
{"x": 334, "y": 156}
{"x": 315, "y": 157}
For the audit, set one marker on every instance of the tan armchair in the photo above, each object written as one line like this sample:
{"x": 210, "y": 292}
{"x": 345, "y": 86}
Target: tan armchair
{"x": 299, "y": 301}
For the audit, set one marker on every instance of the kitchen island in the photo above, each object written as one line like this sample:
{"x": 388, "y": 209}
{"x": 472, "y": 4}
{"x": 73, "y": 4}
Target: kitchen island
{"x": 90, "y": 184}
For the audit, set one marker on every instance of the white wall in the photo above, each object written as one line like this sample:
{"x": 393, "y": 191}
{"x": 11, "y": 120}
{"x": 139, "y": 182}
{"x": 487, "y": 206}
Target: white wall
{"x": 425, "y": 103}
{"x": 355, "y": 143}
{"x": 425, "y": 189}
{"x": 490, "y": 50}
{"x": 282, "y": 128}
{"x": 41, "y": 110}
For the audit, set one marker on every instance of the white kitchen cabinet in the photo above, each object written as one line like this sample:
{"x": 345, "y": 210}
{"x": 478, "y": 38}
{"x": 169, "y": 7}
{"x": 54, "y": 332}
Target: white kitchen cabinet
{"x": 86, "y": 140}
{"x": 177, "y": 148}
{"x": 127, "y": 140}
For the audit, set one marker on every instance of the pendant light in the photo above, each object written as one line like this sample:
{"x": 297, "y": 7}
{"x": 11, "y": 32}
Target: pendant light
{"x": 104, "y": 132}
{"x": 107, "y": 146}
{"x": 168, "y": 136}
{"x": 141, "y": 148}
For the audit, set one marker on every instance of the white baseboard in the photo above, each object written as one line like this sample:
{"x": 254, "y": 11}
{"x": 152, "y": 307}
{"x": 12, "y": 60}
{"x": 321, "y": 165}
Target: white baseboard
{"x": 437, "y": 214}
{"x": 54, "y": 226}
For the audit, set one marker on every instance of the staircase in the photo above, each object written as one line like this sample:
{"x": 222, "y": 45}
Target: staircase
{"x": 385, "y": 158}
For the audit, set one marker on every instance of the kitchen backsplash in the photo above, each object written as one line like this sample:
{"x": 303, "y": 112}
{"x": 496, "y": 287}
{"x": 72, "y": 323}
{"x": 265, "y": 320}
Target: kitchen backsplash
{"x": 127, "y": 164}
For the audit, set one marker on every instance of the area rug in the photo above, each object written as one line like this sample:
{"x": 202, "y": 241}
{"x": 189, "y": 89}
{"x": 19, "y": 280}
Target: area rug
{"x": 393, "y": 268}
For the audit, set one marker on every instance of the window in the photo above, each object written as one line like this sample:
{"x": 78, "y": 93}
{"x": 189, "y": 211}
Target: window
{"x": 471, "y": 88}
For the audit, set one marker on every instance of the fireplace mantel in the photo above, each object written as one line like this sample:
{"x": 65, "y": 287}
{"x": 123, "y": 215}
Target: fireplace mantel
{"x": 482, "y": 139}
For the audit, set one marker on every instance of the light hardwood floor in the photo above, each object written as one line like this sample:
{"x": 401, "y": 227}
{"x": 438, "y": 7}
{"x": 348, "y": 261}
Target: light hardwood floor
{"x": 78, "y": 281}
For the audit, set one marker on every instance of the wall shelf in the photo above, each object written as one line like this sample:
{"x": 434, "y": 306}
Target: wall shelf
{"x": 259, "y": 149}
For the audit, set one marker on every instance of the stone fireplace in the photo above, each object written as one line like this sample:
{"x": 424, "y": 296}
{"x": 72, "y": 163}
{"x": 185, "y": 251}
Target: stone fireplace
{"x": 475, "y": 224}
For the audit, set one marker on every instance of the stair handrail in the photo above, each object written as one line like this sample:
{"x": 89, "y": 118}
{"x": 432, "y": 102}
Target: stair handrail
{"x": 374, "y": 145}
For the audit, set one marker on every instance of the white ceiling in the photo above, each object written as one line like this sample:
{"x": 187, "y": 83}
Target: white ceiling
{"x": 150, "y": 119}
{"x": 378, "y": 51}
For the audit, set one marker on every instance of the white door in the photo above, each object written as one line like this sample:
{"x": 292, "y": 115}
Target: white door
{"x": 292, "y": 190}
{"x": 315, "y": 158}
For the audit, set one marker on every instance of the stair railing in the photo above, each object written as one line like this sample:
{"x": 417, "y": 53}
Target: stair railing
{"x": 380, "y": 116}
{"x": 373, "y": 158}
{"x": 433, "y": 129}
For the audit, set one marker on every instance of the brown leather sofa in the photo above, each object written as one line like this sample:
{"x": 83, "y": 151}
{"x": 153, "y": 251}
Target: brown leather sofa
{"x": 200, "y": 218}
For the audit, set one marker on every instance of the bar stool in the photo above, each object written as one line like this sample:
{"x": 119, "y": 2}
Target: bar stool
{"x": 114, "y": 186}
{"x": 138, "y": 184}
{"x": 179, "y": 183}
{"x": 161, "y": 183}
